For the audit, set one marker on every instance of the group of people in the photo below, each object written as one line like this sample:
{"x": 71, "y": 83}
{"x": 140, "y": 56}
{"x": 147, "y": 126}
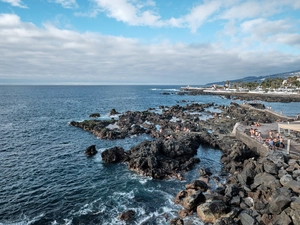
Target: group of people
{"x": 275, "y": 141}
{"x": 272, "y": 141}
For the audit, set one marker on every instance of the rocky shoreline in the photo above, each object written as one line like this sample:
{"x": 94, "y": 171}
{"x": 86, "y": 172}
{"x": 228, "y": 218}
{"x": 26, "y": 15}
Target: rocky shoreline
{"x": 259, "y": 190}
{"x": 246, "y": 96}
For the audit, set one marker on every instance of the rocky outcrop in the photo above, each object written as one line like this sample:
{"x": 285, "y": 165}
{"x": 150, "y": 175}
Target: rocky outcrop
{"x": 267, "y": 97}
{"x": 163, "y": 158}
{"x": 127, "y": 215}
{"x": 259, "y": 190}
{"x": 113, "y": 155}
{"x": 94, "y": 115}
{"x": 91, "y": 150}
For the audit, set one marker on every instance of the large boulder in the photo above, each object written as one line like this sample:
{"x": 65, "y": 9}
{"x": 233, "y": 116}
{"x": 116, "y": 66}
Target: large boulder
{"x": 209, "y": 212}
{"x": 113, "y": 155}
{"x": 280, "y": 199}
{"x": 91, "y": 150}
{"x": 267, "y": 180}
{"x": 197, "y": 185}
{"x": 192, "y": 201}
{"x": 176, "y": 221}
{"x": 94, "y": 115}
{"x": 288, "y": 181}
{"x": 127, "y": 215}
{"x": 247, "y": 219}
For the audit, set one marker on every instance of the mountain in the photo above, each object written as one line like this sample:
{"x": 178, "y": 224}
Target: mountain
{"x": 259, "y": 78}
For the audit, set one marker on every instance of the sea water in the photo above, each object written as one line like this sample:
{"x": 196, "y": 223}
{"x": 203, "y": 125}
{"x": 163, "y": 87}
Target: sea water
{"x": 46, "y": 179}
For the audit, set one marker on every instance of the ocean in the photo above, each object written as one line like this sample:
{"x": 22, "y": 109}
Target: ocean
{"x": 47, "y": 179}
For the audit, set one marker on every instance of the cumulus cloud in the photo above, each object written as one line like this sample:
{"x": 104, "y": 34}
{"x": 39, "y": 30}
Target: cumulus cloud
{"x": 16, "y": 3}
{"x": 53, "y": 55}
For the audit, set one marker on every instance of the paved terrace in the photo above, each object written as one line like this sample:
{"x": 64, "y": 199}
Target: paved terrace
{"x": 264, "y": 129}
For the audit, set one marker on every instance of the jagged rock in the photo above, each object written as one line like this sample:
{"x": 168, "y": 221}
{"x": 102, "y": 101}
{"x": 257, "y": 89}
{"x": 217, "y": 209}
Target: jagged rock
{"x": 247, "y": 219}
{"x": 113, "y": 112}
{"x": 246, "y": 177}
{"x": 288, "y": 181}
{"x": 209, "y": 212}
{"x": 91, "y": 150}
{"x": 176, "y": 221}
{"x": 231, "y": 190}
{"x": 279, "y": 200}
{"x": 249, "y": 202}
{"x": 270, "y": 167}
{"x": 192, "y": 201}
{"x": 236, "y": 200}
{"x": 282, "y": 219}
{"x": 205, "y": 172}
{"x": 127, "y": 215}
{"x": 226, "y": 221}
{"x": 265, "y": 179}
{"x": 295, "y": 204}
{"x": 94, "y": 115}
{"x": 197, "y": 185}
{"x": 295, "y": 215}
{"x": 113, "y": 155}
{"x": 182, "y": 213}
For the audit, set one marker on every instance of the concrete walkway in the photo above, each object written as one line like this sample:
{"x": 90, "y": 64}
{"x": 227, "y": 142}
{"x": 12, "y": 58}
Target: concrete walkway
{"x": 265, "y": 128}
{"x": 280, "y": 116}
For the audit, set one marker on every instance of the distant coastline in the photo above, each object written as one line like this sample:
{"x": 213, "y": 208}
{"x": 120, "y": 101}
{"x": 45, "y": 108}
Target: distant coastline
{"x": 275, "y": 96}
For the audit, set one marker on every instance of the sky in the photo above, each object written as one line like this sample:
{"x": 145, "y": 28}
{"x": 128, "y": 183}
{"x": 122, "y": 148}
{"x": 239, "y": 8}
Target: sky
{"x": 146, "y": 42}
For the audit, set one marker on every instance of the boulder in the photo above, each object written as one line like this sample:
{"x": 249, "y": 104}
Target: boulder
{"x": 113, "y": 155}
{"x": 288, "y": 181}
{"x": 280, "y": 199}
{"x": 295, "y": 204}
{"x": 127, "y": 215}
{"x": 247, "y": 219}
{"x": 197, "y": 185}
{"x": 94, "y": 115}
{"x": 192, "y": 201}
{"x": 209, "y": 212}
{"x": 113, "y": 112}
{"x": 265, "y": 179}
{"x": 176, "y": 221}
{"x": 282, "y": 219}
{"x": 295, "y": 215}
{"x": 91, "y": 150}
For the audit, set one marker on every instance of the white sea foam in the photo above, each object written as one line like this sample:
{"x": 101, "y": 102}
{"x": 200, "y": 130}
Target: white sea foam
{"x": 68, "y": 221}
{"x": 113, "y": 126}
{"x": 26, "y": 221}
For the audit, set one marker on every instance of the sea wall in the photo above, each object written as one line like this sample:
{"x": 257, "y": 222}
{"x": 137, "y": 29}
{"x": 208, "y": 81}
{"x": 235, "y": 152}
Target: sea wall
{"x": 260, "y": 149}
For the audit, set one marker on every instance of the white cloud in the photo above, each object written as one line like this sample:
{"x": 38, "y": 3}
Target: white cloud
{"x": 288, "y": 39}
{"x": 262, "y": 27}
{"x": 132, "y": 13}
{"x": 62, "y": 56}
{"x": 200, "y": 14}
{"x": 9, "y": 20}
{"x": 16, "y": 3}
{"x": 66, "y": 3}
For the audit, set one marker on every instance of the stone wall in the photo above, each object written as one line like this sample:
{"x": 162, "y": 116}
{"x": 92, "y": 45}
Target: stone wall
{"x": 261, "y": 149}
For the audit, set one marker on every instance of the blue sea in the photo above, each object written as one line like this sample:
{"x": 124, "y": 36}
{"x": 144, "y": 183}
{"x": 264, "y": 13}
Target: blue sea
{"x": 46, "y": 178}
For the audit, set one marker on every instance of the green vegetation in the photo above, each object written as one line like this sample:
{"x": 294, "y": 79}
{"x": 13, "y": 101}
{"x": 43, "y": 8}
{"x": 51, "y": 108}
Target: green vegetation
{"x": 291, "y": 84}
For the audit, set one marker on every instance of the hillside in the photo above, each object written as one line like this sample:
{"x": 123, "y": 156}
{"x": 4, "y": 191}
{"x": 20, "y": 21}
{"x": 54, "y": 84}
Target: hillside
{"x": 260, "y": 78}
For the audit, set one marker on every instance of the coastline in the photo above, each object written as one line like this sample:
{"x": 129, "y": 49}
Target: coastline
{"x": 247, "y": 96}
{"x": 172, "y": 153}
